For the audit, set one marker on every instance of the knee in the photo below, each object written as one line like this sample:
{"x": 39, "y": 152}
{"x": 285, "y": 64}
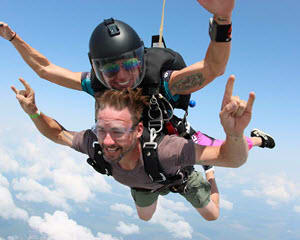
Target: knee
{"x": 145, "y": 217}
{"x": 212, "y": 217}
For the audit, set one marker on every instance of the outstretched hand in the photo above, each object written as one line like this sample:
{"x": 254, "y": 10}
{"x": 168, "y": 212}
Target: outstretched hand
{"x": 222, "y": 8}
{"x": 26, "y": 97}
{"x": 5, "y": 31}
{"x": 235, "y": 114}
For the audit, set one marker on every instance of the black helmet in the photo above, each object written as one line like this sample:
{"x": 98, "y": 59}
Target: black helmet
{"x": 115, "y": 45}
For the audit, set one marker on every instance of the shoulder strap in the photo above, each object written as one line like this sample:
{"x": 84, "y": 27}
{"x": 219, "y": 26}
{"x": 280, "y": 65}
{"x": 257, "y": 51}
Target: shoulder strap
{"x": 152, "y": 165}
{"x": 98, "y": 162}
{"x": 158, "y": 61}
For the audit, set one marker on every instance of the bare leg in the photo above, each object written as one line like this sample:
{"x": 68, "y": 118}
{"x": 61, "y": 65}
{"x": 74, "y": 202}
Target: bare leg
{"x": 146, "y": 213}
{"x": 257, "y": 141}
{"x": 212, "y": 210}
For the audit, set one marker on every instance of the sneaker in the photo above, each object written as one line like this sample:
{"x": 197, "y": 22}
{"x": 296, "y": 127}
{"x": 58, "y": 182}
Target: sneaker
{"x": 267, "y": 140}
{"x": 208, "y": 168}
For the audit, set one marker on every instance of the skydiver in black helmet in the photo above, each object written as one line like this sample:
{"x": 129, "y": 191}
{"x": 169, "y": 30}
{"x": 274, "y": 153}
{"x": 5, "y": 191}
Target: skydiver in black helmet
{"x": 119, "y": 60}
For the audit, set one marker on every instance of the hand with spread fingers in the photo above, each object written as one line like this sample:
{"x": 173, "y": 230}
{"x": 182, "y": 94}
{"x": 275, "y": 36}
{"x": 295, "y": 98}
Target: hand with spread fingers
{"x": 6, "y": 32}
{"x": 222, "y": 8}
{"x": 235, "y": 113}
{"x": 26, "y": 97}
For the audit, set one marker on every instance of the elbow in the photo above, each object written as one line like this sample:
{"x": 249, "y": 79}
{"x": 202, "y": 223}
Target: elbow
{"x": 220, "y": 72}
{"x": 43, "y": 73}
{"x": 213, "y": 216}
{"x": 216, "y": 71}
{"x": 238, "y": 163}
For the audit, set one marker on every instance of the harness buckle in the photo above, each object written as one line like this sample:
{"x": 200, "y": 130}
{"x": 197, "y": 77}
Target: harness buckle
{"x": 156, "y": 124}
{"x": 151, "y": 144}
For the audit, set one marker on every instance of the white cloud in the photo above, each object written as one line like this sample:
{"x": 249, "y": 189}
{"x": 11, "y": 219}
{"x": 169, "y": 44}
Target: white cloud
{"x": 127, "y": 229}
{"x": 97, "y": 182}
{"x": 7, "y": 163}
{"x": 175, "y": 206}
{"x": 3, "y": 181}
{"x": 239, "y": 227}
{"x": 58, "y": 226}
{"x": 174, "y": 223}
{"x": 297, "y": 209}
{"x": 275, "y": 189}
{"x": 53, "y": 174}
{"x": 250, "y": 193}
{"x": 35, "y": 192}
{"x": 103, "y": 236}
{"x": 71, "y": 186}
{"x": 272, "y": 203}
{"x": 13, "y": 238}
{"x": 8, "y": 209}
{"x": 226, "y": 204}
{"x": 119, "y": 207}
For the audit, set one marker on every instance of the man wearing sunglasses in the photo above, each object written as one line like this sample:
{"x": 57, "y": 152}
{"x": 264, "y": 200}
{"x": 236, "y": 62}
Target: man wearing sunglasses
{"x": 119, "y": 132}
{"x": 105, "y": 49}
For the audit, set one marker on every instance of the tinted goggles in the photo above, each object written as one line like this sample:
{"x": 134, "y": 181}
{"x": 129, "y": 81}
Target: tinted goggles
{"x": 111, "y": 69}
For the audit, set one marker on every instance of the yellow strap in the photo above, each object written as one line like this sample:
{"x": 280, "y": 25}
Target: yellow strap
{"x": 161, "y": 25}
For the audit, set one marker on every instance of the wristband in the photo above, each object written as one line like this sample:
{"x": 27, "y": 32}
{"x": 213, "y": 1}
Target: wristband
{"x": 13, "y": 37}
{"x": 33, "y": 116}
{"x": 219, "y": 33}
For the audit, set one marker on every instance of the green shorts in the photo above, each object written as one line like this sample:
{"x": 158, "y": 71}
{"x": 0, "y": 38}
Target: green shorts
{"x": 197, "y": 193}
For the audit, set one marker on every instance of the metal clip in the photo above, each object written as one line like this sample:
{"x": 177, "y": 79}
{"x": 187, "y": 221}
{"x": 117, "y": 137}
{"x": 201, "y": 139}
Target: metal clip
{"x": 94, "y": 143}
{"x": 157, "y": 125}
{"x": 154, "y": 111}
{"x": 151, "y": 143}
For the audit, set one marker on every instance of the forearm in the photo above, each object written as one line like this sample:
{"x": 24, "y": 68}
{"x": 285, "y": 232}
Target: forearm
{"x": 233, "y": 152}
{"x": 198, "y": 75}
{"x": 218, "y": 53}
{"x": 52, "y": 130}
{"x": 31, "y": 56}
{"x": 44, "y": 68}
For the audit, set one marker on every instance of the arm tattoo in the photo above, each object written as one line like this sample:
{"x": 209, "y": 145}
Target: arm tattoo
{"x": 188, "y": 82}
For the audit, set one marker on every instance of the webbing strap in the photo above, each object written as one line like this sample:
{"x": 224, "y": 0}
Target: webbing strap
{"x": 152, "y": 165}
{"x": 98, "y": 162}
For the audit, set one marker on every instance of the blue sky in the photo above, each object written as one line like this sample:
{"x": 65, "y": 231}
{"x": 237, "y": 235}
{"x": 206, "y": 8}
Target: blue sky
{"x": 49, "y": 192}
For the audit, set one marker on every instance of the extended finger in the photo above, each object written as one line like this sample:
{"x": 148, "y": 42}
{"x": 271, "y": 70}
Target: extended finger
{"x": 250, "y": 102}
{"x": 26, "y": 85}
{"x": 14, "y": 89}
{"x": 228, "y": 90}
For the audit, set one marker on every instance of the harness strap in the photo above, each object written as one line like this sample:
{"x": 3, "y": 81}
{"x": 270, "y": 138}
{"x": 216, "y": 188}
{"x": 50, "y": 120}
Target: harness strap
{"x": 150, "y": 157}
{"x": 98, "y": 162}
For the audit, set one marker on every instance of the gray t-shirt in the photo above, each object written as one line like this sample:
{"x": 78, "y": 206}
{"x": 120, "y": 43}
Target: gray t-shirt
{"x": 174, "y": 153}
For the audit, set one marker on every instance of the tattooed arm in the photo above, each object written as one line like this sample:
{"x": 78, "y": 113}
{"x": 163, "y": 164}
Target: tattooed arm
{"x": 198, "y": 75}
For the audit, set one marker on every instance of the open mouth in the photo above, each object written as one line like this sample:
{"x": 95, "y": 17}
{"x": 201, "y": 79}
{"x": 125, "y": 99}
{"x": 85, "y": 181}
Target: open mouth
{"x": 111, "y": 149}
{"x": 123, "y": 83}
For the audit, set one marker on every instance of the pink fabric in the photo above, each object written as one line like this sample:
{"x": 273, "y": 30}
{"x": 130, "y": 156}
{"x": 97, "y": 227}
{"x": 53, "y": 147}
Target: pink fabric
{"x": 205, "y": 140}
